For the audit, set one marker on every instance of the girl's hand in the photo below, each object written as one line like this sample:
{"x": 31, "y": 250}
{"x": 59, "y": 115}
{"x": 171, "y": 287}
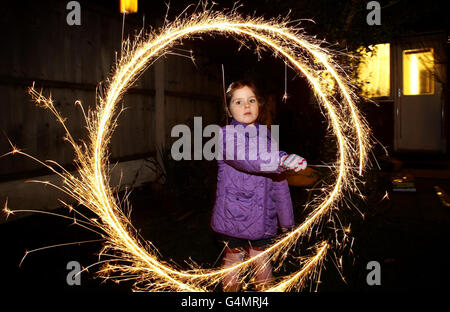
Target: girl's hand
{"x": 293, "y": 162}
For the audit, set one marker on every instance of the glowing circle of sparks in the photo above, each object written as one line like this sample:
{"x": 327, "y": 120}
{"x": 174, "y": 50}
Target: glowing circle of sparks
{"x": 131, "y": 258}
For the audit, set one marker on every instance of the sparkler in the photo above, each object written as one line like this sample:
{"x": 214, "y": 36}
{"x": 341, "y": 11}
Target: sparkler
{"x": 127, "y": 256}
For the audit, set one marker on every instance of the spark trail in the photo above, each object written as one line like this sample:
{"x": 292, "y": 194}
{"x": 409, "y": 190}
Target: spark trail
{"x": 126, "y": 255}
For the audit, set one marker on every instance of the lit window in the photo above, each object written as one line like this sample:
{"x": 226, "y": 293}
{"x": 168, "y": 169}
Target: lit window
{"x": 374, "y": 71}
{"x": 418, "y": 72}
{"x": 128, "y": 6}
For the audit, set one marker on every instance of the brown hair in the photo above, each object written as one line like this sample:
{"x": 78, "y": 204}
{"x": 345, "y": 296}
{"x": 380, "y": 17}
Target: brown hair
{"x": 238, "y": 84}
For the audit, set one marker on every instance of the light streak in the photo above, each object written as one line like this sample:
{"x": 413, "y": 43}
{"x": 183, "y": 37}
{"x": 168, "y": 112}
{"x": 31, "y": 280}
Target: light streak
{"x": 6, "y": 210}
{"x": 130, "y": 257}
{"x": 443, "y": 196}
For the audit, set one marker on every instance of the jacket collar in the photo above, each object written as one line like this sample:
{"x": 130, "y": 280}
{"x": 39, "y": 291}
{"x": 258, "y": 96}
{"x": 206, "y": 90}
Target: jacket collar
{"x": 234, "y": 122}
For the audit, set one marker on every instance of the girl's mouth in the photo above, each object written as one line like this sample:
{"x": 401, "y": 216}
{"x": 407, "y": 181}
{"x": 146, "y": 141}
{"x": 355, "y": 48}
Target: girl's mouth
{"x": 247, "y": 113}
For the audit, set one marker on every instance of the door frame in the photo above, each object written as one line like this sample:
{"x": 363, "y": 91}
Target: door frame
{"x": 437, "y": 41}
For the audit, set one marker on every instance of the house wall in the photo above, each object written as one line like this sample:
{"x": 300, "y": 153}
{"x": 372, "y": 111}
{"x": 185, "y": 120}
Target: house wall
{"x": 384, "y": 117}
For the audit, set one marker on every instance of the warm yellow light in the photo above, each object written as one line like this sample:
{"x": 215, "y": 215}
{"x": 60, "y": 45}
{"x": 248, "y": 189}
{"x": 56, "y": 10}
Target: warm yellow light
{"x": 374, "y": 71}
{"x": 128, "y": 6}
{"x": 413, "y": 78}
{"x": 418, "y": 72}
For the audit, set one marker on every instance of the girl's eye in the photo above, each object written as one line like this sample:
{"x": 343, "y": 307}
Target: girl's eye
{"x": 238, "y": 102}
{"x": 252, "y": 101}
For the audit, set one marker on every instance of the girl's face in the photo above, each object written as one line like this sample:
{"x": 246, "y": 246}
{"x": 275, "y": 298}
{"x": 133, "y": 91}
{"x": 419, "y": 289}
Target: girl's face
{"x": 244, "y": 106}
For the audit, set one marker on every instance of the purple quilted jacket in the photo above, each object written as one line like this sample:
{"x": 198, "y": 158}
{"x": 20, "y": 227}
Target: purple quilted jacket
{"x": 248, "y": 200}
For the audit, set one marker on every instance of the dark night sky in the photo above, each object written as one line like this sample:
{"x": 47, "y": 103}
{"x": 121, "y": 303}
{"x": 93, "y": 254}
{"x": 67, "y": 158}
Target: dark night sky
{"x": 334, "y": 19}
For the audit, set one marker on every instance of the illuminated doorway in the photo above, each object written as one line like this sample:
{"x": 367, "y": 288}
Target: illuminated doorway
{"x": 418, "y": 102}
{"x": 408, "y": 75}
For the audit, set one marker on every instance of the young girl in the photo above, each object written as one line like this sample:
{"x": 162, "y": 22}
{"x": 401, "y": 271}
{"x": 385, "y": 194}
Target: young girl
{"x": 249, "y": 200}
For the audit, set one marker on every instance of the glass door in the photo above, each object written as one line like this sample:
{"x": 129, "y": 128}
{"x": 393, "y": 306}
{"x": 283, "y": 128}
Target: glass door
{"x": 418, "y": 102}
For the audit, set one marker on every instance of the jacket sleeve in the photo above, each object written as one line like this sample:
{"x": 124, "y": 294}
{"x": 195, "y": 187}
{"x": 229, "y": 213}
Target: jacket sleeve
{"x": 241, "y": 149}
{"x": 283, "y": 203}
